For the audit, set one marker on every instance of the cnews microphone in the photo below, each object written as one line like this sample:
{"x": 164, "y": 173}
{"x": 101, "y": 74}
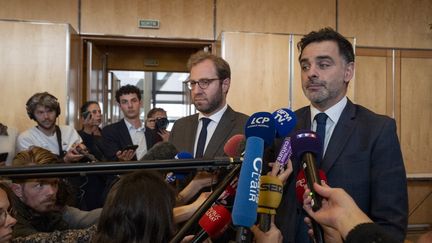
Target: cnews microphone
{"x": 270, "y": 196}
{"x": 231, "y": 147}
{"x": 245, "y": 206}
{"x": 161, "y": 151}
{"x": 306, "y": 147}
{"x": 213, "y": 223}
{"x": 285, "y": 121}
{"x": 262, "y": 125}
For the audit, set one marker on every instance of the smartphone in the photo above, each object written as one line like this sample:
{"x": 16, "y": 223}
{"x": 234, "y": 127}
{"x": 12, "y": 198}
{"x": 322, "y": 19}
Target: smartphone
{"x": 3, "y": 156}
{"x": 130, "y": 147}
{"x": 86, "y": 114}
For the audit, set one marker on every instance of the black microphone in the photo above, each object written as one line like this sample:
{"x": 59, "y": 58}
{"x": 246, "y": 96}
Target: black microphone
{"x": 161, "y": 151}
{"x": 306, "y": 147}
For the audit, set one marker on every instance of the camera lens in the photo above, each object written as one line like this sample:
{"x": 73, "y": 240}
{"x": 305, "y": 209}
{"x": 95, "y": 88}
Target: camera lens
{"x": 162, "y": 123}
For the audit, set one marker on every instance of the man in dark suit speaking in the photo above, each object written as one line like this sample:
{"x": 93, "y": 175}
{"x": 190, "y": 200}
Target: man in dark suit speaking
{"x": 204, "y": 134}
{"x": 361, "y": 151}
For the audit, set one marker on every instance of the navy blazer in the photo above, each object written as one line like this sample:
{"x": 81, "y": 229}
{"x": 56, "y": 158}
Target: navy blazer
{"x": 116, "y": 137}
{"x": 184, "y": 132}
{"x": 364, "y": 158}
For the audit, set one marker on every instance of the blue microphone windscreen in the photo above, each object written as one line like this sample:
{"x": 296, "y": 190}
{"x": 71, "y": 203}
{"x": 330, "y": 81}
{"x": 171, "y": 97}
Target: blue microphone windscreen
{"x": 262, "y": 125}
{"x": 184, "y": 155}
{"x": 305, "y": 141}
{"x": 285, "y": 121}
{"x": 244, "y": 212}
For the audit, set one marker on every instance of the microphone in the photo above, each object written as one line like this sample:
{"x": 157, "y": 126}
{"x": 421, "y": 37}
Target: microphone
{"x": 270, "y": 196}
{"x": 161, "y": 151}
{"x": 285, "y": 121}
{"x": 213, "y": 223}
{"x": 245, "y": 206}
{"x": 301, "y": 182}
{"x": 171, "y": 176}
{"x": 306, "y": 147}
{"x": 231, "y": 147}
{"x": 262, "y": 125}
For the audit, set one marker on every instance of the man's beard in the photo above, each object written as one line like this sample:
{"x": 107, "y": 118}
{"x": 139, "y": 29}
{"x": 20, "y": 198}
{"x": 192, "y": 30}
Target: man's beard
{"x": 213, "y": 105}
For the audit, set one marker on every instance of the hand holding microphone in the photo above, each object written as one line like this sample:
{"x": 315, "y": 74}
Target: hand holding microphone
{"x": 270, "y": 196}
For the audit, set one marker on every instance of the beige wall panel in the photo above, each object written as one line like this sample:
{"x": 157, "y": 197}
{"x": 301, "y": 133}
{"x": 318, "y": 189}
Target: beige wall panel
{"x": 370, "y": 85}
{"x": 56, "y": 11}
{"x": 259, "y": 71}
{"x": 274, "y": 16}
{"x": 178, "y": 18}
{"x": 387, "y": 23}
{"x": 33, "y": 59}
{"x": 420, "y": 210}
{"x": 298, "y": 98}
{"x": 416, "y": 113}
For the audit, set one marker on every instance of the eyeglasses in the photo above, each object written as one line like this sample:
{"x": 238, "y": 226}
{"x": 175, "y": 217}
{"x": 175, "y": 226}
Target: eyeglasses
{"x": 4, "y": 214}
{"x": 202, "y": 83}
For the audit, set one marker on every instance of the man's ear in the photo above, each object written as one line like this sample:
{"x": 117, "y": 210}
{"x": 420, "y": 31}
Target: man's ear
{"x": 226, "y": 85}
{"x": 349, "y": 72}
{"x": 17, "y": 189}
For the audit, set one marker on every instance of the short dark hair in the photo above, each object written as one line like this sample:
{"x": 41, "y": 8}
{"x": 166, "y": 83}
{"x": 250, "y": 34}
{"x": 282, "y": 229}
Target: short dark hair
{"x": 154, "y": 111}
{"x": 85, "y": 106}
{"x": 139, "y": 208}
{"x": 127, "y": 89}
{"x": 328, "y": 34}
{"x": 223, "y": 70}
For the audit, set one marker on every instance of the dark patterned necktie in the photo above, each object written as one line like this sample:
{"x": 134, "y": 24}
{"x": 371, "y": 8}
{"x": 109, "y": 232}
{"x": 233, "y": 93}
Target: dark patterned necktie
{"x": 202, "y": 138}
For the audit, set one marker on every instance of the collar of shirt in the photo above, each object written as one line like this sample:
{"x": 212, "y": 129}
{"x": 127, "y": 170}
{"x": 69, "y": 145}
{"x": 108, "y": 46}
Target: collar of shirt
{"x": 215, "y": 118}
{"x": 333, "y": 112}
{"x": 130, "y": 127}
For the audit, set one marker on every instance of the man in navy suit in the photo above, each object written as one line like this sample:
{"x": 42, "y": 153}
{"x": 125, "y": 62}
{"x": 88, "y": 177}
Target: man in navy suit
{"x": 128, "y": 131}
{"x": 361, "y": 151}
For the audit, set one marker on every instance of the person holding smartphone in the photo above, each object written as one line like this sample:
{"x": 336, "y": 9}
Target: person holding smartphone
{"x": 120, "y": 136}
{"x": 91, "y": 132}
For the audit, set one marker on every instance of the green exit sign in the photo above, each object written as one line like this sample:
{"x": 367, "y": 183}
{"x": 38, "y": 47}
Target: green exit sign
{"x": 149, "y": 24}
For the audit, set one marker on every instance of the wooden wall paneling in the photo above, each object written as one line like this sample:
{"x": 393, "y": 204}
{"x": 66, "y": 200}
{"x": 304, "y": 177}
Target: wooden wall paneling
{"x": 371, "y": 76}
{"x": 416, "y": 110}
{"x": 259, "y": 70}
{"x": 178, "y": 18}
{"x": 134, "y": 58}
{"x": 56, "y": 11}
{"x": 419, "y": 202}
{"x": 274, "y": 16}
{"x": 34, "y": 59}
{"x": 387, "y": 23}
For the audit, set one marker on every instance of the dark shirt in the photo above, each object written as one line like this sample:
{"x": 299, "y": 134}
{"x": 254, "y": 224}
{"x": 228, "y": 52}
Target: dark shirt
{"x": 93, "y": 144}
{"x": 369, "y": 233}
{"x": 30, "y": 222}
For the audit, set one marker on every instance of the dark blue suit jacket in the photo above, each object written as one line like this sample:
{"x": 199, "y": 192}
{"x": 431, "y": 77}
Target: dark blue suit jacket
{"x": 364, "y": 158}
{"x": 116, "y": 137}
